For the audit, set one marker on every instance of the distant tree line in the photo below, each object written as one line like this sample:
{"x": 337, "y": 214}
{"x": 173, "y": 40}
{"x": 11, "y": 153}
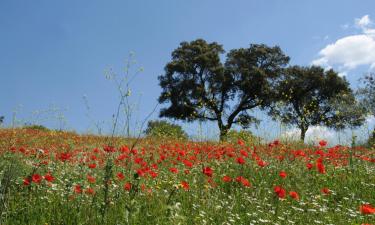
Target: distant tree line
{"x": 197, "y": 85}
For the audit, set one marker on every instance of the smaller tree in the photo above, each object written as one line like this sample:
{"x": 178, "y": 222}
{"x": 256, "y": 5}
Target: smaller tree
{"x": 366, "y": 95}
{"x": 311, "y": 96}
{"x": 1, "y": 119}
{"x": 163, "y": 129}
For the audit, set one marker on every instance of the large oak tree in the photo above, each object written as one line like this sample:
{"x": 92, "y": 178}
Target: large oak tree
{"x": 311, "y": 96}
{"x": 198, "y": 86}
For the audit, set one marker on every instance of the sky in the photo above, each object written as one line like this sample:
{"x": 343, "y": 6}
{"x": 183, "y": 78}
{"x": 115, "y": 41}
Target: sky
{"x": 54, "y": 54}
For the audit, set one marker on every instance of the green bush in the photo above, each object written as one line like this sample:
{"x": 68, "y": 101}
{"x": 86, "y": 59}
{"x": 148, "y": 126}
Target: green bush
{"x": 371, "y": 140}
{"x": 233, "y": 136}
{"x": 164, "y": 129}
{"x": 36, "y": 127}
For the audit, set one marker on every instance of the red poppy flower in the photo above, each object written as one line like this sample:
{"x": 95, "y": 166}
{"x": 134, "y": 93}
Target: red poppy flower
{"x": 187, "y": 163}
{"x": 36, "y": 178}
{"x": 90, "y": 191}
{"x": 261, "y": 163}
{"x": 91, "y": 179}
{"x": 282, "y": 174}
{"x": 78, "y": 189}
{"x": 153, "y": 174}
{"x": 309, "y": 166}
{"x": 240, "y": 160}
{"x": 321, "y": 167}
{"x": 244, "y": 153}
{"x": 127, "y": 186}
{"x": 367, "y": 209}
{"x": 26, "y": 181}
{"x": 109, "y": 149}
{"x": 280, "y": 192}
{"x": 120, "y": 176}
{"x": 227, "y": 179}
{"x": 245, "y": 182}
{"x": 240, "y": 142}
{"x": 48, "y": 177}
{"x": 64, "y": 156}
{"x": 173, "y": 170}
{"x": 92, "y": 166}
{"x": 322, "y": 143}
{"x": 207, "y": 171}
{"x": 185, "y": 185}
{"x": 325, "y": 191}
{"x": 294, "y": 195}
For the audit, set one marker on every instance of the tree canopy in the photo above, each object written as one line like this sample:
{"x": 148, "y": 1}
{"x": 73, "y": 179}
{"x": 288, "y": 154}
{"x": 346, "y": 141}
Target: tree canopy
{"x": 198, "y": 86}
{"x": 310, "y": 96}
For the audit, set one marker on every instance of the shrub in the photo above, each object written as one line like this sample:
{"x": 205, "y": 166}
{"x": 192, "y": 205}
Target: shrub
{"x": 36, "y": 127}
{"x": 245, "y": 135}
{"x": 164, "y": 129}
{"x": 371, "y": 140}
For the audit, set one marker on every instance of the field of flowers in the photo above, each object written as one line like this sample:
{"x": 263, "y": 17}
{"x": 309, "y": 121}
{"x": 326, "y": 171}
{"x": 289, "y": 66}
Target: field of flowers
{"x": 50, "y": 177}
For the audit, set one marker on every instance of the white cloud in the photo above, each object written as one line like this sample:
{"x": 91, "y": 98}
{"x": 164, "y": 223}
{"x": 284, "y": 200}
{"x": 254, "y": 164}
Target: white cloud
{"x": 349, "y": 52}
{"x": 313, "y": 135}
{"x": 363, "y": 22}
{"x": 370, "y": 120}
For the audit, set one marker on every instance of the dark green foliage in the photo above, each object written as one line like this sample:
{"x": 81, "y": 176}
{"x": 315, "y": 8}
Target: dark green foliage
{"x": 1, "y": 119}
{"x": 310, "y": 96}
{"x": 163, "y": 129}
{"x": 36, "y": 127}
{"x": 371, "y": 140}
{"x": 198, "y": 86}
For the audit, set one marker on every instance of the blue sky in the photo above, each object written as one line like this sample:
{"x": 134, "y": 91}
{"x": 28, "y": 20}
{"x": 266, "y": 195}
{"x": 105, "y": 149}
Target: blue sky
{"x": 52, "y": 53}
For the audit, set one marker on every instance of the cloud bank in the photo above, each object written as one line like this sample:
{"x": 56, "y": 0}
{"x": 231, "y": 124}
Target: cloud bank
{"x": 349, "y": 52}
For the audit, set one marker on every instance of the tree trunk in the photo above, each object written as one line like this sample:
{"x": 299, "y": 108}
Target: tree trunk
{"x": 303, "y": 133}
{"x": 223, "y": 133}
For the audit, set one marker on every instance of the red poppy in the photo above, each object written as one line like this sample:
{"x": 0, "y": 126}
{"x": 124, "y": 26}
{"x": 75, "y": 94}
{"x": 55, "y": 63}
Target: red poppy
{"x": 90, "y": 191}
{"x": 26, "y": 181}
{"x": 173, "y": 170}
{"x": 120, "y": 176}
{"x": 240, "y": 160}
{"x": 320, "y": 166}
{"x": 325, "y": 191}
{"x": 78, "y": 189}
{"x": 282, "y": 174}
{"x": 367, "y": 209}
{"x": 48, "y": 177}
{"x": 244, "y": 153}
{"x": 127, "y": 186}
{"x": 280, "y": 192}
{"x": 261, "y": 163}
{"x": 36, "y": 178}
{"x": 227, "y": 179}
{"x": 153, "y": 174}
{"x": 185, "y": 185}
{"x": 322, "y": 143}
{"x": 109, "y": 149}
{"x": 294, "y": 195}
{"x": 91, "y": 179}
{"x": 92, "y": 166}
{"x": 309, "y": 166}
{"x": 187, "y": 163}
{"x": 245, "y": 182}
{"x": 207, "y": 171}
{"x": 240, "y": 142}
{"x": 64, "y": 156}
